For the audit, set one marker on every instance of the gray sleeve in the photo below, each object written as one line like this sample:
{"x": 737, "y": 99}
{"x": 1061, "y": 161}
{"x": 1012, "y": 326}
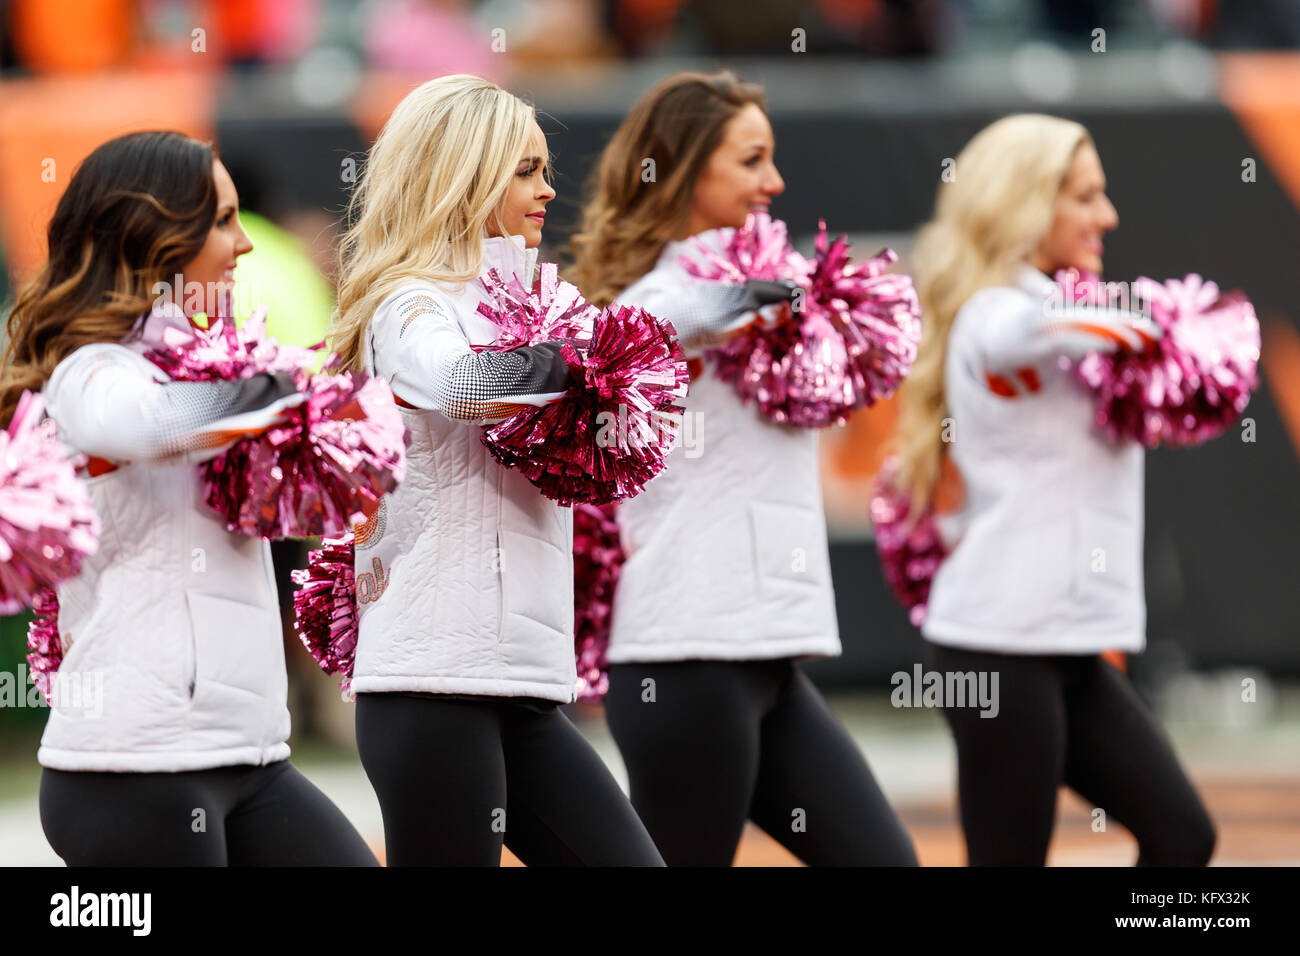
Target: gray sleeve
{"x": 488, "y": 386}
{"x": 111, "y": 409}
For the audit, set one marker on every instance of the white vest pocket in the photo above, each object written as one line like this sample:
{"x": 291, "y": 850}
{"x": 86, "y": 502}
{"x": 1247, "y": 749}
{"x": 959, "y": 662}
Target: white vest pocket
{"x": 537, "y": 582}
{"x": 789, "y": 547}
{"x": 237, "y": 645}
{"x": 1103, "y": 560}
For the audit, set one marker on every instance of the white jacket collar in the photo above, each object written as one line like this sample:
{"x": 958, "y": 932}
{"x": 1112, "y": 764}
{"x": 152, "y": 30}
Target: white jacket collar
{"x": 676, "y": 249}
{"x": 1034, "y": 282}
{"x": 164, "y": 326}
{"x": 509, "y": 256}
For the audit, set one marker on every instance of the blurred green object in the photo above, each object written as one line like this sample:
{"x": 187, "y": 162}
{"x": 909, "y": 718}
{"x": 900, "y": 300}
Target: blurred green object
{"x": 279, "y": 273}
{"x": 20, "y": 725}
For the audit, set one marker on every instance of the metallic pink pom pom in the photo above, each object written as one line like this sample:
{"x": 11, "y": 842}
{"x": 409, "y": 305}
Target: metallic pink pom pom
{"x": 910, "y": 550}
{"x": 851, "y": 341}
{"x": 612, "y": 431}
{"x": 325, "y": 607}
{"x": 338, "y": 453}
{"x": 326, "y": 466}
{"x": 1195, "y": 382}
{"x": 597, "y": 560}
{"x": 48, "y": 524}
{"x": 552, "y": 311}
{"x": 44, "y": 646}
{"x": 223, "y": 352}
{"x": 875, "y": 314}
{"x": 758, "y": 250}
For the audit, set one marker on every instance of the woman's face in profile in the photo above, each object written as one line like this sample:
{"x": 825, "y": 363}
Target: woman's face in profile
{"x": 1081, "y": 216}
{"x": 740, "y": 175}
{"x": 213, "y": 269}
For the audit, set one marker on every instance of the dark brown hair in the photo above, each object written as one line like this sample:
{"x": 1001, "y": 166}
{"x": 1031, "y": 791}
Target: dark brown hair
{"x": 137, "y": 210}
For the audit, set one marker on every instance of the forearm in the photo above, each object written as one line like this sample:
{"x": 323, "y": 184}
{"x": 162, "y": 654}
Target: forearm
{"x": 1033, "y": 336}
{"x": 115, "y": 414}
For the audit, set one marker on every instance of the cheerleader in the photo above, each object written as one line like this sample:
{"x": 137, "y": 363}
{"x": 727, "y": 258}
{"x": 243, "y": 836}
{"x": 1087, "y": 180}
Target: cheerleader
{"x": 465, "y": 645}
{"x": 727, "y": 580}
{"x": 1046, "y": 567}
{"x": 170, "y": 748}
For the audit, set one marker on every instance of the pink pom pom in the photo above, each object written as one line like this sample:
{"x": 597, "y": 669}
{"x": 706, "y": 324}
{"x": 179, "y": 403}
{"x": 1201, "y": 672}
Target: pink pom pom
{"x": 325, "y": 607}
{"x": 612, "y": 431}
{"x": 338, "y": 453}
{"x": 910, "y": 550}
{"x": 851, "y": 344}
{"x": 47, "y": 522}
{"x": 224, "y": 353}
{"x": 875, "y": 314}
{"x": 44, "y": 646}
{"x": 325, "y": 466}
{"x": 1195, "y": 382}
{"x": 758, "y": 250}
{"x": 597, "y": 560}
{"x": 552, "y": 311}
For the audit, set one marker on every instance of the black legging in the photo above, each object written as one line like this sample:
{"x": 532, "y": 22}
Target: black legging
{"x": 726, "y": 741}
{"x": 457, "y": 775}
{"x": 1074, "y": 720}
{"x": 227, "y": 816}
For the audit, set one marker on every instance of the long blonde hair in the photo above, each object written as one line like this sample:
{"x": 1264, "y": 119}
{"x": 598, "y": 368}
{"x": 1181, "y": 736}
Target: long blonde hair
{"x": 987, "y": 220}
{"x": 629, "y": 220}
{"x": 436, "y": 176}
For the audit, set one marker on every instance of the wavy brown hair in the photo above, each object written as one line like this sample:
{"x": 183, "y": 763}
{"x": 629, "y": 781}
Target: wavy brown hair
{"x": 136, "y": 211}
{"x": 627, "y": 222}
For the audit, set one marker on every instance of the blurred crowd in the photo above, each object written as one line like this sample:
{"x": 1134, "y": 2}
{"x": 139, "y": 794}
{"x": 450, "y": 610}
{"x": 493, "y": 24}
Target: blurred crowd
{"x": 48, "y": 36}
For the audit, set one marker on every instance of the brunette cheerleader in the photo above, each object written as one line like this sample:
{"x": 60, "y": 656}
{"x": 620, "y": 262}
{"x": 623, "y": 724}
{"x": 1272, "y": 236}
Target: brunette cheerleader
{"x": 465, "y": 649}
{"x": 1046, "y": 569}
{"x": 171, "y": 749}
{"x": 727, "y": 581}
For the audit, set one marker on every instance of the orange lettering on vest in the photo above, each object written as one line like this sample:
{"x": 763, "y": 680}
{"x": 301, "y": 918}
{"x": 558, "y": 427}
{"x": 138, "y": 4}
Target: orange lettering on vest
{"x": 1000, "y": 386}
{"x": 1029, "y": 376}
{"x": 371, "y": 587}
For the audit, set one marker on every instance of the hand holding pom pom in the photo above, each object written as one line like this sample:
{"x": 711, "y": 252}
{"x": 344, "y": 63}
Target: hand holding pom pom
{"x": 849, "y": 341}
{"x": 325, "y": 464}
{"x": 613, "y": 429}
{"x": 1193, "y": 383}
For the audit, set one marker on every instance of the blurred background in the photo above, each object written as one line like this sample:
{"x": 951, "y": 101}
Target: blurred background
{"x": 1194, "y": 105}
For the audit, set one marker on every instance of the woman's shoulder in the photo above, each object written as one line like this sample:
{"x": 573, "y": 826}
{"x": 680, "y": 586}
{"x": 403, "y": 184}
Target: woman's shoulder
{"x": 416, "y": 297}
{"x": 983, "y": 308}
{"x": 88, "y": 365}
{"x": 93, "y": 355}
{"x": 995, "y": 298}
